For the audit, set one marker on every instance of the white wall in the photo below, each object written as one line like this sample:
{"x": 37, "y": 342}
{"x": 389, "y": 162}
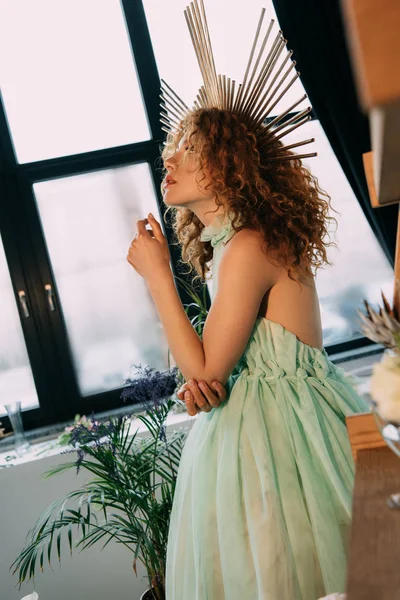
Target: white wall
{"x": 89, "y": 575}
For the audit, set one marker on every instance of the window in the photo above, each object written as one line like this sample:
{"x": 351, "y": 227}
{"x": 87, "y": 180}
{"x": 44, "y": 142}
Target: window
{"x": 80, "y": 138}
{"x": 68, "y": 78}
{"x": 16, "y": 380}
{"x": 360, "y": 268}
{"x": 79, "y": 142}
{"x": 88, "y": 222}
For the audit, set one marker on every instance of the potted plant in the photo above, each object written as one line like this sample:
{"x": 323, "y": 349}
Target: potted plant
{"x": 129, "y": 498}
{"x": 135, "y": 476}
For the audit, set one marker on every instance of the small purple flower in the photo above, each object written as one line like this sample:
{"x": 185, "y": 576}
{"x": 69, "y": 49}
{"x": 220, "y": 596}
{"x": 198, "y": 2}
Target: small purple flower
{"x": 98, "y": 434}
{"x": 79, "y": 460}
{"x": 163, "y": 434}
{"x": 151, "y": 386}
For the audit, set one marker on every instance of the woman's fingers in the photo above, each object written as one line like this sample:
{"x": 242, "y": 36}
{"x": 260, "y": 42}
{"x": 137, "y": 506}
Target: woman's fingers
{"x": 158, "y": 234}
{"x": 181, "y": 392}
{"x": 141, "y": 226}
{"x": 187, "y": 397}
{"x": 191, "y": 407}
{"x": 214, "y": 396}
{"x": 200, "y": 397}
{"x": 220, "y": 390}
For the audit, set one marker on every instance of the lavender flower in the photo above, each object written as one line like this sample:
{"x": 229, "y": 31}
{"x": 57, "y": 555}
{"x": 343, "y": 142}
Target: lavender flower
{"x": 79, "y": 460}
{"x": 95, "y": 434}
{"x": 163, "y": 434}
{"x": 151, "y": 387}
{"x": 81, "y": 435}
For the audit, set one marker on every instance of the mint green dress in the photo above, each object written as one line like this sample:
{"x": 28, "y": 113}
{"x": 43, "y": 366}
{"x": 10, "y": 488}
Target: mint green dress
{"x": 263, "y": 499}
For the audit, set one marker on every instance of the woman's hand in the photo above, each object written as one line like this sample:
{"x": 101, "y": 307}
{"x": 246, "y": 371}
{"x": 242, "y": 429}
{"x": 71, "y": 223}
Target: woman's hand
{"x": 148, "y": 253}
{"x": 199, "y": 397}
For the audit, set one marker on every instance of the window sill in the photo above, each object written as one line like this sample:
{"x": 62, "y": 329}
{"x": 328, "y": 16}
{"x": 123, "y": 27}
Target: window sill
{"x": 44, "y": 440}
{"x": 357, "y": 363}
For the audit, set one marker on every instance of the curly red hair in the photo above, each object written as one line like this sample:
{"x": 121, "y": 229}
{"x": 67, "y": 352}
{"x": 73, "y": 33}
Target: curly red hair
{"x": 280, "y": 199}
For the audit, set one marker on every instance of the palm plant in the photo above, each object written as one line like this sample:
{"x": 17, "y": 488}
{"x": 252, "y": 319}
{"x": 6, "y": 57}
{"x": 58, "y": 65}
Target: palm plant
{"x": 130, "y": 496}
{"x": 198, "y": 307}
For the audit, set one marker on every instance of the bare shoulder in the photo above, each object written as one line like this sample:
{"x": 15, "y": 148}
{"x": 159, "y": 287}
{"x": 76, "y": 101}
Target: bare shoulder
{"x": 246, "y": 239}
{"x": 252, "y": 243}
{"x": 246, "y": 250}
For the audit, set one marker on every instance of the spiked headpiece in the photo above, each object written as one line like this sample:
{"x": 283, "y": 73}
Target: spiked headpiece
{"x": 253, "y": 100}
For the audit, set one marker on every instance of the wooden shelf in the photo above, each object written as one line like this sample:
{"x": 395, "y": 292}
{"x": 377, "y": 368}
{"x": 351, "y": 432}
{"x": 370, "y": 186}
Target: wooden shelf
{"x": 373, "y": 36}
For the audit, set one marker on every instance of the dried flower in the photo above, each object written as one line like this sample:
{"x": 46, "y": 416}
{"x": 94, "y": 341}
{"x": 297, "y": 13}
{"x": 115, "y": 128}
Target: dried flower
{"x": 151, "y": 387}
{"x": 382, "y": 327}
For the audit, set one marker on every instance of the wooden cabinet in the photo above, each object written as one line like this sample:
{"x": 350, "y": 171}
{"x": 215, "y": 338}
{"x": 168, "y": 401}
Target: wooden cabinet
{"x": 374, "y": 551}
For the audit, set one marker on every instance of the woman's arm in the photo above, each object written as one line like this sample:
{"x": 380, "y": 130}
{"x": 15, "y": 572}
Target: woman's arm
{"x": 185, "y": 345}
{"x": 244, "y": 277}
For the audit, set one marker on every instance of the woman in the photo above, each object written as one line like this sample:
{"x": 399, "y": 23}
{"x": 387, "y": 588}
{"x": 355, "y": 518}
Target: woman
{"x": 263, "y": 499}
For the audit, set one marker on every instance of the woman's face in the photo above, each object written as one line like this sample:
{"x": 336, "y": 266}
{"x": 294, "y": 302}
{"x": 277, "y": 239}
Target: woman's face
{"x": 184, "y": 184}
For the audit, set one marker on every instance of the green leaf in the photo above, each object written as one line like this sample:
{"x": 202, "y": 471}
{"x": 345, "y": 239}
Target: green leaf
{"x": 59, "y": 546}
{"x": 42, "y": 559}
{"x": 70, "y": 539}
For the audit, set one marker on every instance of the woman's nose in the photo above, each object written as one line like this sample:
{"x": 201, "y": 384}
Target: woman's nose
{"x": 170, "y": 163}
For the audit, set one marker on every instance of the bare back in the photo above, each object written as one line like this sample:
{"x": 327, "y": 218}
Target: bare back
{"x": 294, "y": 307}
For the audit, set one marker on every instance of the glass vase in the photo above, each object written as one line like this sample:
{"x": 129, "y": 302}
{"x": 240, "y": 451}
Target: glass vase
{"x": 21, "y": 444}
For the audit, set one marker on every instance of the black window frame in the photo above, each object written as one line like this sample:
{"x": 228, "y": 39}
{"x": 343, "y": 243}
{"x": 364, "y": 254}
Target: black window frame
{"x": 29, "y": 265}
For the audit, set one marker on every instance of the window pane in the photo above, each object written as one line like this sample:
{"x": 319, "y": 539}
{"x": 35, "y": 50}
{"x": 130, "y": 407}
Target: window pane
{"x": 232, "y": 32}
{"x": 360, "y": 268}
{"x": 16, "y": 380}
{"x": 89, "y": 222}
{"x": 68, "y": 78}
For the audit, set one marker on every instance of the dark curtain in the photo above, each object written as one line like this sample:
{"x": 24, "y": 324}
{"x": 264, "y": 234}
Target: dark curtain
{"x": 315, "y": 32}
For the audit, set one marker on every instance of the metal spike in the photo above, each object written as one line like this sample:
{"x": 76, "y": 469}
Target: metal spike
{"x": 168, "y": 123}
{"x": 169, "y": 111}
{"x": 267, "y": 109}
{"x": 251, "y": 92}
{"x": 197, "y": 48}
{"x": 282, "y": 115}
{"x": 174, "y": 94}
{"x": 166, "y": 117}
{"x": 260, "y": 21}
{"x": 308, "y": 118}
{"x": 232, "y": 95}
{"x": 297, "y": 144}
{"x": 247, "y": 88}
{"x": 258, "y": 110}
{"x": 170, "y": 103}
{"x": 200, "y": 35}
{"x": 209, "y": 46}
{"x": 293, "y": 156}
